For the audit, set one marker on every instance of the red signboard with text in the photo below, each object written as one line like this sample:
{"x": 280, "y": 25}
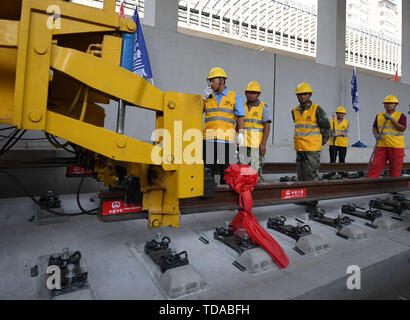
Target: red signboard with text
{"x": 294, "y": 194}
{"x": 118, "y": 207}
{"x": 76, "y": 171}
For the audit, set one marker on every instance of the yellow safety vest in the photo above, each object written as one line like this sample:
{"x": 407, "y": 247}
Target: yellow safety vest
{"x": 391, "y": 137}
{"x": 220, "y": 120}
{"x": 254, "y": 125}
{"x": 339, "y": 130}
{"x": 307, "y": 136}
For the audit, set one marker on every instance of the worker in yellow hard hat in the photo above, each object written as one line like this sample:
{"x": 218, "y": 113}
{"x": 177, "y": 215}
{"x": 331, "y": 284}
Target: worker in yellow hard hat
{"x": 223, "y": 110}
{"x": 257, "y": 126}
{"x": 312, "y": 130}
{"x": 388, "y": 130}
{"x": 339, "y": 132}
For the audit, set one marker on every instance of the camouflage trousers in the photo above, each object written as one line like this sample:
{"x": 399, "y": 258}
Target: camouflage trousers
{"x": 307, "y": 165}
{"x": 252, "y": 157}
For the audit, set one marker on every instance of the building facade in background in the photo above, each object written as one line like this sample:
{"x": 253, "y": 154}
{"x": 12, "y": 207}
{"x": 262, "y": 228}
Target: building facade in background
{"x": 382, "y": 16}
{"x": 373, "y": 27}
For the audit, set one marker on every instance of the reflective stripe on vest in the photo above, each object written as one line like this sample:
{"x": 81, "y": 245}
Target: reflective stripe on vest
{"x": 220, "y": 120}
{"x": 391, "y": 137}
{"x": 340, "y": 129}
{"x": 253, "y": 124}
{"x": 307, "y": 136}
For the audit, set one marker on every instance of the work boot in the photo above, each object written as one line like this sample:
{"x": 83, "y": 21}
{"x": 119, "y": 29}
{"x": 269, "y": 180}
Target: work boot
{"x": 222, "y": 180}
{"x": 209, "y": 184}
{"x": 343, "y": 174}
{"x": 303, "y": 203}
{"x": 284, "y": 179}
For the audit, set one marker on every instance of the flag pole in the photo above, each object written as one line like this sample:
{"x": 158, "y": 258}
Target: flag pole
{"x": 151, "y": 79}
{"x": 121, "y": 104}
{"x": 134, "y": 57}
{"x": 120, "y": 117}
{"x": 355, "y": 104}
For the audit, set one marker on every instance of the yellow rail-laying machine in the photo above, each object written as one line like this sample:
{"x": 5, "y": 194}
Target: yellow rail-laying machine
{"x": 55, "y": 69}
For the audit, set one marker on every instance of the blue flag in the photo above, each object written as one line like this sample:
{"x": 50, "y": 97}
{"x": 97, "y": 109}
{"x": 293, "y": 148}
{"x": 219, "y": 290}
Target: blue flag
{"x": 140, "y": 64}
{"x": 355, "y": 93}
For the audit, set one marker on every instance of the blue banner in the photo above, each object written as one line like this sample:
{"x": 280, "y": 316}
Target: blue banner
{"x": 355, "y": 93}
{"x": 141, "y": 64}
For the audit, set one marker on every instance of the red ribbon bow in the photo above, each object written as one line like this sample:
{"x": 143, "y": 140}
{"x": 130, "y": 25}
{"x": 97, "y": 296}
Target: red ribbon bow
{"x": 243, "y": 179}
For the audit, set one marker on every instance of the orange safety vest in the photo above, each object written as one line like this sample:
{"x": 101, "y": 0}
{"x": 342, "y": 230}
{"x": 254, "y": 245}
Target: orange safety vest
{"x": 307, "y": 136}
{"x": 391, "y": 137}
{"x": 220, "y": 120}
{"x": 254, "y": 125}
{"x": 339, "y": 130}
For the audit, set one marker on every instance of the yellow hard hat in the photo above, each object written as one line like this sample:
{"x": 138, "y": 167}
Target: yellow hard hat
{"x": 341, "y": 110}
{"x": 303, "y": 88}
{"x": 253, "y": 86}
{"x": 217, "y": 73}
{"x": 391, "y": 99}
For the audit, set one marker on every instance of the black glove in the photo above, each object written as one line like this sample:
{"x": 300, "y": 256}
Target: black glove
{"x": 387, "y": 116}
{"x": 377, "y": 136}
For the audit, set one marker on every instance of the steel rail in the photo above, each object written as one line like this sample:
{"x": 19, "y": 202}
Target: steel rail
{"x": 268, "y": 168}
{"x": 290, "y": 167}
{"x": 268, "y": 194}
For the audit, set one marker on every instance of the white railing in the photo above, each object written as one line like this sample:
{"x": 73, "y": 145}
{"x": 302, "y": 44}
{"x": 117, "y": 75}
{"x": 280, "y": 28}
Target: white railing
{"x": 277, "y": 24}
{"x": 370, "y": 50}
{"x": 285, "y": 25}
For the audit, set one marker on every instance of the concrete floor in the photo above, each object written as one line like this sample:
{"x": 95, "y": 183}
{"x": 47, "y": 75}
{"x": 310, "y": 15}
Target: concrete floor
{"x": 116, "y": 273}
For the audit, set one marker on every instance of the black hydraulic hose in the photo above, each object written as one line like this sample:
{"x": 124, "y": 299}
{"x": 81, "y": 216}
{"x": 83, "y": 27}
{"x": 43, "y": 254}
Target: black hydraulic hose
{"x": 38, "y": 203}
{"x": 8, "y": 128}
{"x": 10, "y": 137}
{"x": 52, "y": 139}
{"x": 26, "y": 139}
{"x": 6, "y": 148}
{"x": 89, "y": 212}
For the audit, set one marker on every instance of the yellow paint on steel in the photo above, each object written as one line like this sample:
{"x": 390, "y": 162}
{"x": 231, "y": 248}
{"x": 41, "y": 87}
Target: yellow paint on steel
{"x": 113, "y": 80}
{"x": 98, "y": 139}
{"x": 8, "y": 63}
{"x": 77, "y": 18}
{"x": 110, "y": 49}
{"x": 184, "y": 112}
{"x": 8, "y": 33}
{"x": 84, "y": 108}
{"x": 109, "y": 5}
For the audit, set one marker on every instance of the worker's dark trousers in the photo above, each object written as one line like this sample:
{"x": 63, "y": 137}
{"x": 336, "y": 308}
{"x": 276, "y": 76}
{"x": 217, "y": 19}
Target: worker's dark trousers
{"x": 334, "y": 150}
{"x": 218, "y": 154}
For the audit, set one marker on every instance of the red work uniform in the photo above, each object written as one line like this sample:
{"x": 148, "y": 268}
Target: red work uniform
{"x": 390, "y": 147}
